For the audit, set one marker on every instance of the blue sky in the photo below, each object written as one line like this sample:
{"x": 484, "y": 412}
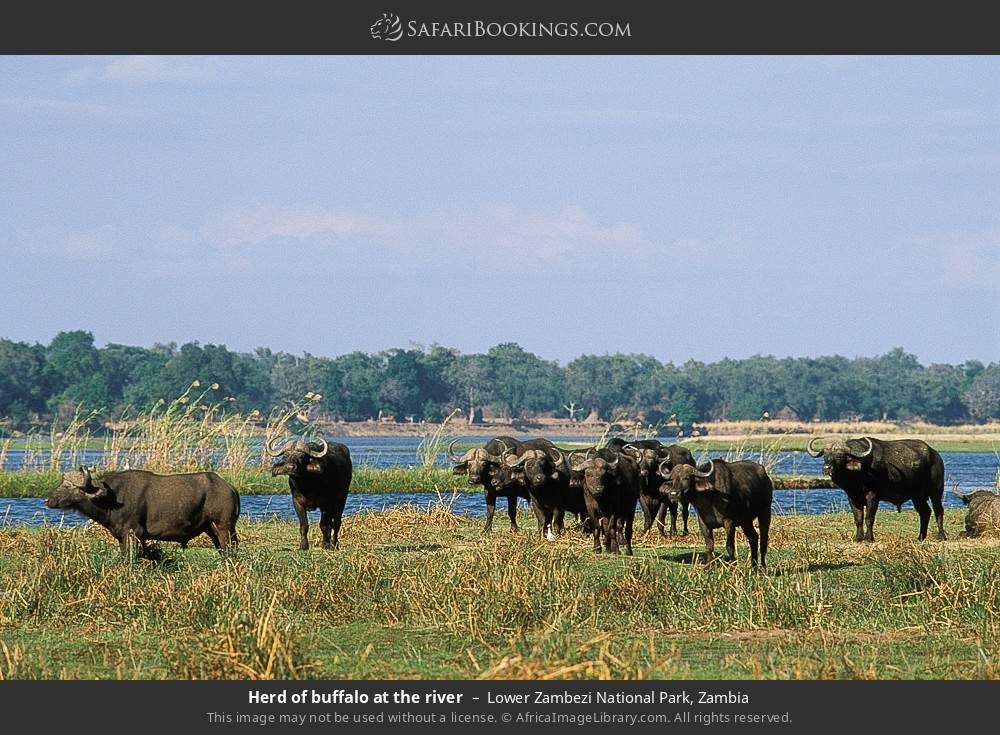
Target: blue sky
{"x": 681, "y": 207}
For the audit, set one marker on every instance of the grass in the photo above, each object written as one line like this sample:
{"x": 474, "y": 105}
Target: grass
{"x": 420, "y": 594}
{"x": 366, "y": 480}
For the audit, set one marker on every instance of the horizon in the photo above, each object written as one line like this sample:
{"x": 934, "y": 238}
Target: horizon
{"x": 679, "y": 207}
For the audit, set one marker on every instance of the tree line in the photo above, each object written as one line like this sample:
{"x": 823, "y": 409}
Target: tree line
{"x": 41, "y": 382}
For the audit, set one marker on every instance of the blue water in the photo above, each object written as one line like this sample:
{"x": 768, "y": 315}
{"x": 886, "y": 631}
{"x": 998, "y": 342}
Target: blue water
{"x": 966, "y": 470}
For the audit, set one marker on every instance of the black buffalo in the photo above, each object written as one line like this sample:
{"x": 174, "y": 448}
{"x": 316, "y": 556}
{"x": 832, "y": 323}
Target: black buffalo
{"x": 611, "y": 487}
{"x": 319, "y": 476}
{"x": 726, "y": 495}
{"x": 650, "y": 455}
{"x": 540, "y": 467}
{"x": 135, "y": 505}
{"x": 872, "y": 470}
{"x": 485, "y": 466}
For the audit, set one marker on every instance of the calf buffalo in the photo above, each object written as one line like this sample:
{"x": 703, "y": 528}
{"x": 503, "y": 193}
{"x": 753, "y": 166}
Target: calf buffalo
{"x": 872, "y": 470}
{"x": 135, "y": 505}
{"x": 726, "y": 495}
{"x": 984, "y": 512}
{"x": 485, "y": 466}
{"x": 611, "y": 487}
{"x": 319, "y": 476}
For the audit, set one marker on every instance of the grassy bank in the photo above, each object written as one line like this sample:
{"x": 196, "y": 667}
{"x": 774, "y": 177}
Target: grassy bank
{"x": 365, "y": 480}
{"x": 421, "y": 594}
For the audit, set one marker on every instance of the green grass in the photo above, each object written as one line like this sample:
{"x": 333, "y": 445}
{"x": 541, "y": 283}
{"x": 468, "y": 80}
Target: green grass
{"x": 365, "y": 480}
{"x": 421, "y": 594}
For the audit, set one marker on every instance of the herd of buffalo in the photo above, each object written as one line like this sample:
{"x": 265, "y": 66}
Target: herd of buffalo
{"x": 600, "y": 486}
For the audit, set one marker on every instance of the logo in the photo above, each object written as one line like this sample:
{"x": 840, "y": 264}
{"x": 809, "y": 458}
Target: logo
{"x": 387, "y": 28}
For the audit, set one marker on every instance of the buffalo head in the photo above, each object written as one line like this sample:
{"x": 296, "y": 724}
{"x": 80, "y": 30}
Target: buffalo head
{"x": 475, "y": 463}
{"x": 599, "y": 470}
{"x": 536, "y": 465}
{"x": 297, "y": 457}
{"x": 682, "y": 481}
{"x": 76, "y": 487}
{"x": 644, "y": 457}
{"x": 843, "y": 456}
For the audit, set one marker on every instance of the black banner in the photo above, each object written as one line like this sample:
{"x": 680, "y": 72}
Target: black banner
{"x": 487, "y": 706}
{"x": 449, "y": 27}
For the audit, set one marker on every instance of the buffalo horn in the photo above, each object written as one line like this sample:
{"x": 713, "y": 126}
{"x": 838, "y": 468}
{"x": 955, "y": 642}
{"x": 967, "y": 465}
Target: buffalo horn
{"x": 711, "y": 469}
{"x": 809, "y": 448}
{"x": 322, "y": 452}
{"x": 871, "y": 446}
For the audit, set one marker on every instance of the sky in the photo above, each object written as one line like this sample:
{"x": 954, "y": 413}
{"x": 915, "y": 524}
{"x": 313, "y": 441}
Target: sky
{"x": 682, "y": 207}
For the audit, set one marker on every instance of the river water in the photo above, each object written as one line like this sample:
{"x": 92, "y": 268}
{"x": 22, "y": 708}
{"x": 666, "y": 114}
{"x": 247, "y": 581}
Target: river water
{"x": 964, "y": 470}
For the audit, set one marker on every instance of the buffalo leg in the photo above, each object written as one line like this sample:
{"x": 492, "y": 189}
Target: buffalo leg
{"x": 871, "y": 508}
{"x": 540, "y": 517}
{"x": 685, "y": 511}
{"x": 629, "y": 521}
{"x": 491, "y": 508}
{"x": 512, "y": 511}
{"x": 610, "y": 534}
{"x": 730, "y": 540}
{"x": 764, "y": 522}
{"x": 673, "y": 519}
{"x": 859, "y": 519}
{"x": 596, "y": 523}
{"x": 709, "y": 536}
{"x": 661, "y": 519}
{"x": 939, "y": 514}
{"x": 559, "y": 521}
{"x": 326, "y": 526}
{"x": 130, "y": 542}
{"x": 647, "y": 512}
{"x": 924, "y": 511}
{"x": 752, "y": 538}
{"x": 300, "y": 511}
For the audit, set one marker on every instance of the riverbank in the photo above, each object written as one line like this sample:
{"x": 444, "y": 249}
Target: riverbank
{"x": 31, "y": 484}
{"x": 420, "y": 594}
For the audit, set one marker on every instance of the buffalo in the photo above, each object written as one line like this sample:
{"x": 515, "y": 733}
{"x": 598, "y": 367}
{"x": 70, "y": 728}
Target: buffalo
{"x": 984, "y": 512}
{"x": 611, "y": 487}
{"x": 650, "y": 454}
{"x": 319, "y": 476}
{"x": 726, "y": 495}
{"x": 540, "y": 467}
{"x": 485, "y": 466}
{"x": 872, "y": 470}
{"x": 136, "y": 505}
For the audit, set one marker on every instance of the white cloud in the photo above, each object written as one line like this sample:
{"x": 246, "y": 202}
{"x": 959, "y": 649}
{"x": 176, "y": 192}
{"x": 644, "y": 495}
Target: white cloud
{"x": 147, "y": 69}
{"x": 249, "y": 226}
{"x": 498, "y": 233}
{"x": 966, "y": 260}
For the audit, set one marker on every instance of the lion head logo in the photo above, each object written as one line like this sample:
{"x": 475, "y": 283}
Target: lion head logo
{"x": 387, "y": 28}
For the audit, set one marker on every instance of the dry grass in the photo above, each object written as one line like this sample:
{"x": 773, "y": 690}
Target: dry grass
{"x": 419, "y": 593}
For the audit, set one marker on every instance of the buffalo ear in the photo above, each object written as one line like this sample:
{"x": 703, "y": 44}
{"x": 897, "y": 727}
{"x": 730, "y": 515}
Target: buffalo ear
{"x": 313, "y": 466}
{"x": 702, "y": 483}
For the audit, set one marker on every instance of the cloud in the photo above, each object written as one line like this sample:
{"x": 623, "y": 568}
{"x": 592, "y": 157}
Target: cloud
{"x": 152, "y": 69}
{"x": 500, "y": 234}
{"x": 501, "y": 237}
{"x": 965, "y": 259}
{"x": 250, "y": 226}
